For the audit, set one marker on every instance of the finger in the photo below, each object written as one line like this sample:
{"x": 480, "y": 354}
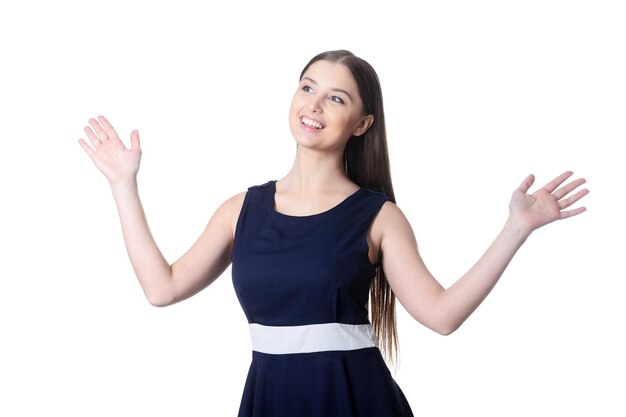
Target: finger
{"x": 526, "y": 184}
{"x": 102, "y": 135}
{"x": 86, "y": 147}
{"x": 108, "y": 128}
{"x": 552, "y": 185}
{"x": 92, "y": 137}
{"x": 571, "y": 200}
{"x": 574, "y": 212}
{"x": 566, "y": 189}
{"x": 134, "y": 141}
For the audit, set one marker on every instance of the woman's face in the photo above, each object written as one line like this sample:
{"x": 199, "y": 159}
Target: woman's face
{"x": 326, "y": 109}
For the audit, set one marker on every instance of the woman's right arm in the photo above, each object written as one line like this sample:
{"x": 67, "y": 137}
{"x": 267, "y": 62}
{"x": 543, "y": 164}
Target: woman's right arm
{"x": 162, "y": 283}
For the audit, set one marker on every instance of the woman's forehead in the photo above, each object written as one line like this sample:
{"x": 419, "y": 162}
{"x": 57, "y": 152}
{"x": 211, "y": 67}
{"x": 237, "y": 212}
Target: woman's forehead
{"x": 331, "y": 74}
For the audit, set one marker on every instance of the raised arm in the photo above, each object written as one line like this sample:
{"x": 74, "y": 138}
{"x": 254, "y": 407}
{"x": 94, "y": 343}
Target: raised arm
{"x": 162, "y": 283}
{"x": 444, "y": 310}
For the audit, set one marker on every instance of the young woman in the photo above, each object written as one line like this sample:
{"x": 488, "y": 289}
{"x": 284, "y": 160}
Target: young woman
{"x": 307, "y": 249}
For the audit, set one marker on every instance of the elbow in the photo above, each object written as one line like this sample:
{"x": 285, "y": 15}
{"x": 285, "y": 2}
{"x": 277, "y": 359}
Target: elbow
{"x": 158, "y": 303}
{"x": 448, "y": 321}
{"x": 159, "y": 300}
{"x": 446, "y": 330}
{"x": 443, "y": 328}
{"x": 439, "y": 319}
{"x": 447, "y": 327}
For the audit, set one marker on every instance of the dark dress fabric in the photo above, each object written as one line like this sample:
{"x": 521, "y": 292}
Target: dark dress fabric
{"x": 309, "y": 270}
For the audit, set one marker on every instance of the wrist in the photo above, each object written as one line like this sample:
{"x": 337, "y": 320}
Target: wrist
{"x": 123, "y": 186}
{"x": 516, "y": 229}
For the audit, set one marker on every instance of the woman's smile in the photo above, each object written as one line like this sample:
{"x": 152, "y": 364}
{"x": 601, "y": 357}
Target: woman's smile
{"x": 311, "y": 124}
{"x": 326, "y": 100}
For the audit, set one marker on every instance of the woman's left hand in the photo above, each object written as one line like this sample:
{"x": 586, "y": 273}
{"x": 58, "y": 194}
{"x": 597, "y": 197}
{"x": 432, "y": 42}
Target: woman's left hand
{"x": 546, "y": 204}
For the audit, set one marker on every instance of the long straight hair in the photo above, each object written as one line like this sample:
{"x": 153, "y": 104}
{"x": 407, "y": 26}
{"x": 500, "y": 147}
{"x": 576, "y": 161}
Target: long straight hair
{"x": 366, "y": 162}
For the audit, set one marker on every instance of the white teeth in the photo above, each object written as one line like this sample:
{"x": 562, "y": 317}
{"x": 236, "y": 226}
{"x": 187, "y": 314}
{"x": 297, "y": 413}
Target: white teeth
{"x": 312, "y": 123}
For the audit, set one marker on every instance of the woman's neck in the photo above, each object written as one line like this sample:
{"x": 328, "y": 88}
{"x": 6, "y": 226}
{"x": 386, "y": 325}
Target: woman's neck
{"x": 315, "y": 172}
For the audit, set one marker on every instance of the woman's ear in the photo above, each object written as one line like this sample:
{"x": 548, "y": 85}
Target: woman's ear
{"x": 363, "y": 125}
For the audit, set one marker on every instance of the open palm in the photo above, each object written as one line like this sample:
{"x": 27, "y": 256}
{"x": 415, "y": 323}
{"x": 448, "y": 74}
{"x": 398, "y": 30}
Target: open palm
{"x": 546, "y": 204}
{"x": 108, "y": 153}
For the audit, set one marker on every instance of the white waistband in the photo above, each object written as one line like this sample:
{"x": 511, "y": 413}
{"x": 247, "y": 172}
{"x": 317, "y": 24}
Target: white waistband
{"x": 311, "y": 337}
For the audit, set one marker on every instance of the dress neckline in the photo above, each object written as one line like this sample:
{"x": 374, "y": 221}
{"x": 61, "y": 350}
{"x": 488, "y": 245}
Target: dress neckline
{"x": 309, "y": 216}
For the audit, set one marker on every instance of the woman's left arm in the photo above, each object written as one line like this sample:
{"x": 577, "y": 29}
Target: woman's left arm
{"x": 444, "y": 310}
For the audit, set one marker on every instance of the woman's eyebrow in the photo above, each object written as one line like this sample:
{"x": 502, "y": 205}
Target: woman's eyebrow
{"x": 339, "y": 90}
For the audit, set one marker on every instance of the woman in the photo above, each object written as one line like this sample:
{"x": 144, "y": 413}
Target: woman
{"x": 306, "y": 249}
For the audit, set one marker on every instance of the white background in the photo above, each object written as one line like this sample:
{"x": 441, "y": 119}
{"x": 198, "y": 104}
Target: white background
{"x": 478, "y": 94}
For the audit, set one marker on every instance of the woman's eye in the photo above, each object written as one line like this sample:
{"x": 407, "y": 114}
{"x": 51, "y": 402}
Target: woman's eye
{"x": 307, "y": 89}
{"x": 336, "y": 99}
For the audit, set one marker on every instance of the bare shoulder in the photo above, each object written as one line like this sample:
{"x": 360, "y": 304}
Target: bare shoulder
{"x": 234, "y": 203}
{"x": 228, "y": 212}
{"x": 390, "y": 222}
{"x": 389, "y": 216}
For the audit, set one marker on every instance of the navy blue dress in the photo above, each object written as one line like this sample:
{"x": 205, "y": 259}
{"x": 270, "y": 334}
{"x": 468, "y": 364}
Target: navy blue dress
{"x": 303, "y": 283}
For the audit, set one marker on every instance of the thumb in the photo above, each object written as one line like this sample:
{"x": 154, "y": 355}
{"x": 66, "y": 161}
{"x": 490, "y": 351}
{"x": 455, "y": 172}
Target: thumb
{"x": 526, "y": 184}
{"x": 134, "y": 141}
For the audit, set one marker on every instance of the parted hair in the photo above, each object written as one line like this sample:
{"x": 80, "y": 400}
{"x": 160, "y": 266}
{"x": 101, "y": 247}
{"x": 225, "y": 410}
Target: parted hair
{"x": 366, "y": 162}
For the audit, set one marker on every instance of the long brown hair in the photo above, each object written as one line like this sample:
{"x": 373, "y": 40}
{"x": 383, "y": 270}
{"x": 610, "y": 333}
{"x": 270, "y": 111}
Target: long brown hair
{"x": 366, "y": 161}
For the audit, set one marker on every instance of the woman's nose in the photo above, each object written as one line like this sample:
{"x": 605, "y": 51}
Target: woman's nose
{"x": 315, "y": 104}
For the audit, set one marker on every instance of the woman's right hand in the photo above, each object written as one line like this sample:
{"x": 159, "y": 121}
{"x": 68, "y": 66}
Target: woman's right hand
{"x": 111, "y": 157}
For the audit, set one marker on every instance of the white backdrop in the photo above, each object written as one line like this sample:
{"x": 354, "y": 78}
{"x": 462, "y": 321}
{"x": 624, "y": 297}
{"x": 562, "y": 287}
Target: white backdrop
{"x": 478, "y": 94}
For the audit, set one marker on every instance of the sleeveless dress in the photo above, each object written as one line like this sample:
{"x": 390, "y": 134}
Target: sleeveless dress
{"x": 303, "y": 283}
